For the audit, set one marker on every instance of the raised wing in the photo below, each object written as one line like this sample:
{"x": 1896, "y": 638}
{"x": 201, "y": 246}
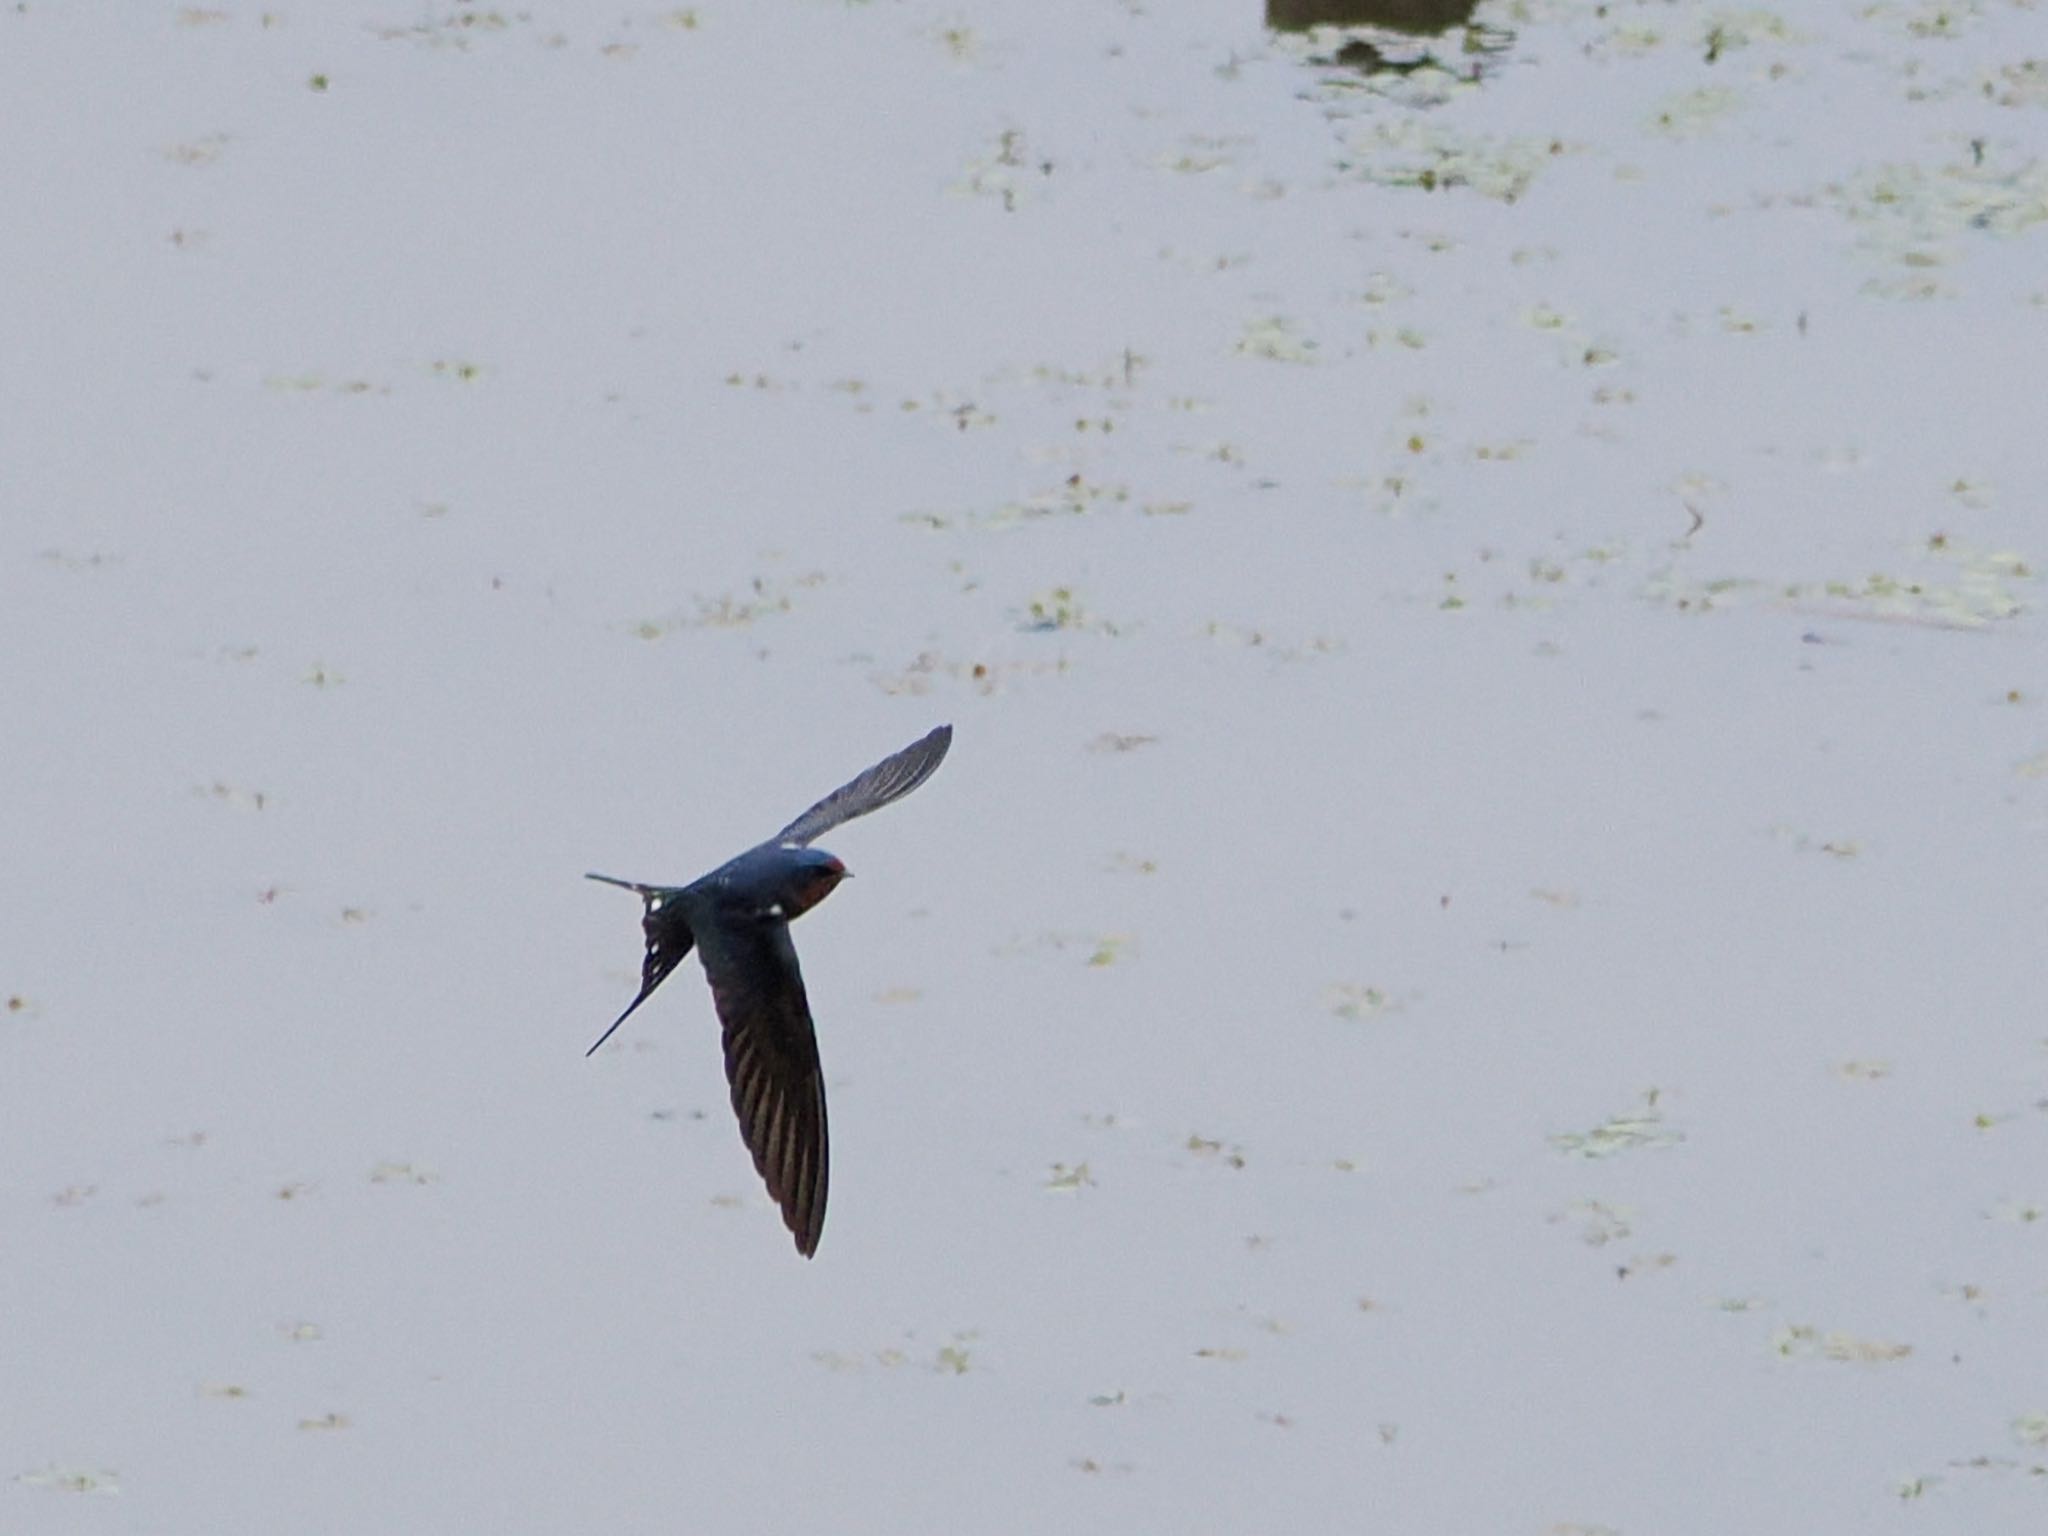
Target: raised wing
{"x": 771, "y": 1061}
{"x": 668, "y": 941}
{"x": 890, "y": 779}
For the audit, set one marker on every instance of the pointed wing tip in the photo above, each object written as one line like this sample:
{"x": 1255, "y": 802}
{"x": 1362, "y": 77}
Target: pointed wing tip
{"x": 882, "y": 784}
{"x": 923, "y": 756}
{"x": 806, "y": 1226}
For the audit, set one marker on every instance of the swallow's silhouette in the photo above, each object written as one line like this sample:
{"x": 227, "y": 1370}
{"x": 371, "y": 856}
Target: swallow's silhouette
{"x": 738, "y": 918}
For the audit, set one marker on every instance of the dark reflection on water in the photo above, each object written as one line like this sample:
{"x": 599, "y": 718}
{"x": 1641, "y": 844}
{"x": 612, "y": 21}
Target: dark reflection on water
{"x": 1413, "y": 18}
{"x": 1420, "y": 17}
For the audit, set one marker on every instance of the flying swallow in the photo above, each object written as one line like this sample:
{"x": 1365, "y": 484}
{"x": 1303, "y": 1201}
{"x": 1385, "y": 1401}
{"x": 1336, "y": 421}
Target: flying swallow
{"x": 738, "y": 919}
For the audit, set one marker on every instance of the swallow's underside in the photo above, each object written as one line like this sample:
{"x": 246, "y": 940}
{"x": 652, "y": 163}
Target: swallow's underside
{"x": 737, "y": 918}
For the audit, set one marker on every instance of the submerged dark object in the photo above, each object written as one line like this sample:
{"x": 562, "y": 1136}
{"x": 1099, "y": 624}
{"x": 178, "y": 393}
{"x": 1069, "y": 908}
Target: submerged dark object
{"x": 738, "y": 918}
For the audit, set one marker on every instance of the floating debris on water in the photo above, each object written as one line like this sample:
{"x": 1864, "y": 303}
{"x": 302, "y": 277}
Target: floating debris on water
{"x": 1799, "y": 1341}
{"x": 1619, "y": 1133}
{"x": 72, "y": 1480}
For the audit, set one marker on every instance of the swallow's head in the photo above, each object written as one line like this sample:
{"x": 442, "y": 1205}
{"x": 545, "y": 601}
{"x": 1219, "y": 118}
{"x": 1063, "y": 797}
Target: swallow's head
{"x": 813, "y": 874}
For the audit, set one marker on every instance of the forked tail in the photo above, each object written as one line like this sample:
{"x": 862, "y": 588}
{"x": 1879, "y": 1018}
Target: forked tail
{"x": 668, "y": 940}
{"x": 645, "y": 892}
